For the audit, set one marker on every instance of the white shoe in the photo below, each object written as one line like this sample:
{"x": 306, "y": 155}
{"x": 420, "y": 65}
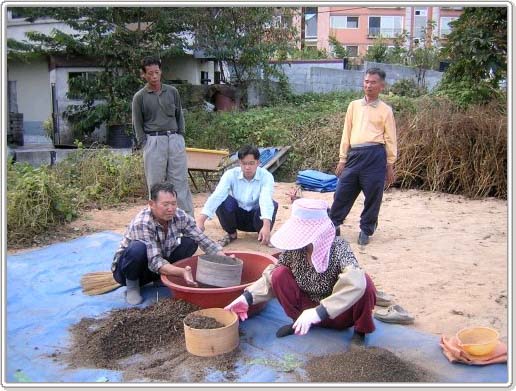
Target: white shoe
{"x": 383, "y": 299}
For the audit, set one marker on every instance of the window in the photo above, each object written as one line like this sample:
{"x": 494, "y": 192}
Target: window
{"x": 420, "y": 23}
{"x": 343, "y": 22}
{"x": 311, "y": 22}
{"x": 445, "y": 27}
{"x": 80, "y": 81}
{"x": 386, "y": 26}
{"x": 352, "y": 50}
{"x": 205, "y": 77}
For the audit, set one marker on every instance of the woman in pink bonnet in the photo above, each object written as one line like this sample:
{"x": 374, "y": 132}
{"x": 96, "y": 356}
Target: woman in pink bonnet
{"x": 317, "y": 279}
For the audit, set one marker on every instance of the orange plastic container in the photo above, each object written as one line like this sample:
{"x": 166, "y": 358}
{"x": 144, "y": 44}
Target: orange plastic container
{"x": 478, "y": 341}
{"x": 204, "y": 159}
{"x": 253, "y": 265}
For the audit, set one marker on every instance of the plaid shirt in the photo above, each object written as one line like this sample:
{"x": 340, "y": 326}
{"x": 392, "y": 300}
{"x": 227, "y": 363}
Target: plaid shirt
{"x": 161, "y": 244}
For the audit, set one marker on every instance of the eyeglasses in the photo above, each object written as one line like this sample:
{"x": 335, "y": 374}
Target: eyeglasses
{"x": 251, "y": 163}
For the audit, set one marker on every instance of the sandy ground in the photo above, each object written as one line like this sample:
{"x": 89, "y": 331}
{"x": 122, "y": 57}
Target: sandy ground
{"x": 442, "y": 257}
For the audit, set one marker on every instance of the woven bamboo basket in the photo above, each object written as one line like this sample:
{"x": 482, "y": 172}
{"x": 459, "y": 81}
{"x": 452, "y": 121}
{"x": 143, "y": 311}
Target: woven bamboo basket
{"x": 212, "y": 342}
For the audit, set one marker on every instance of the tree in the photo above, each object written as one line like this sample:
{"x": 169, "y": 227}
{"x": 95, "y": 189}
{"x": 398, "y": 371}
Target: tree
{"x": 378, "y": 51}
{"x": 339, "y": 50}
{"x": 243, "y": 39}
{"x": 116, "y": 38}
{"x": 425, "y": 55}
{"x": 477, "y": 46}
{"x": 398, "y": 53}
{"x": 477, "y": 49}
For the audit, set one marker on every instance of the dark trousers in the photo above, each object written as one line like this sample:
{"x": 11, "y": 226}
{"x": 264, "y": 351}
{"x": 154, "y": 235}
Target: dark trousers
{"x": 294, "y": 301}
{"x": 133, "y": 263}
{"x": 232, "y": 217}
{"x": 364, "y": 171}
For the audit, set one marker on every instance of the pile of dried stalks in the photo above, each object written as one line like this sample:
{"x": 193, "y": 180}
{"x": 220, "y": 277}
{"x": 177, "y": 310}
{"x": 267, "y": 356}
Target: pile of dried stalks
{"x": 443, "y": 148}
{"x": 317, "y": 147}
{"x": 440, "y": 148}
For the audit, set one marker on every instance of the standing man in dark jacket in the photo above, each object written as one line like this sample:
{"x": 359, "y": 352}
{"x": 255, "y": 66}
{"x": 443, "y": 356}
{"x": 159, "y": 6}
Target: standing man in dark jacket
{"x": 368, "y": 150}
{"x": 159, "y": 125}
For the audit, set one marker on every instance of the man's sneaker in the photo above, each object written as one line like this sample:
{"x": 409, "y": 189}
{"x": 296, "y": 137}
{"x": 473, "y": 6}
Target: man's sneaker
{"x": 363, "y": 239}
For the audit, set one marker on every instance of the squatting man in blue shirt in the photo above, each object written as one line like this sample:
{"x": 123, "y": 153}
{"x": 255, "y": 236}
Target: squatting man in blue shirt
{"x": 243, "y": 199}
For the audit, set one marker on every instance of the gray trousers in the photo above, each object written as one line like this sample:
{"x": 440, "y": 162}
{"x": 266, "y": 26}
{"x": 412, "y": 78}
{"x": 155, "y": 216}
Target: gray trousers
{"x": 164, "y": 159}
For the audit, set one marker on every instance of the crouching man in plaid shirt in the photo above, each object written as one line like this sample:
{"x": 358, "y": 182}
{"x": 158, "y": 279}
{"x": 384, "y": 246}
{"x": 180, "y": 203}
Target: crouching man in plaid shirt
{"x": 158, "y": 236}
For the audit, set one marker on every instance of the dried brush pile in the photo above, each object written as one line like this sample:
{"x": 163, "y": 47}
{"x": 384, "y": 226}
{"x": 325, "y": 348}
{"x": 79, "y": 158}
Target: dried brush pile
{"x": 443, "y": 148}
{"x": 317, "y": 147}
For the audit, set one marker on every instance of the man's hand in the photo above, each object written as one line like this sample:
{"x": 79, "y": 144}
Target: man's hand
{"x": 389, "y": 176}
{"x": 239, "y": 306}
{"x": 265, "y": 233}
{"x": 188, "y": 277}
{"x": 199, "y": 221}
{"x": 305, "y": 321}
{"x": 340, "y": 168}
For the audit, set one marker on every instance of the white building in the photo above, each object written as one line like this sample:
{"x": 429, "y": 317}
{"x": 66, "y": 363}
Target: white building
{"x": 39, "y": 88}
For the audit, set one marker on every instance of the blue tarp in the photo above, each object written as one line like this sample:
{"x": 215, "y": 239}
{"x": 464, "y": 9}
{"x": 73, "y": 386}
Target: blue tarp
{"x": 44, "y": 299}
{"x": 316, "y": 181}
{"x": 266, "y": 154}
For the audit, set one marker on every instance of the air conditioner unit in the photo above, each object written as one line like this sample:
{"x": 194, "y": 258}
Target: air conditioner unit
{"x": 420, "y": 12}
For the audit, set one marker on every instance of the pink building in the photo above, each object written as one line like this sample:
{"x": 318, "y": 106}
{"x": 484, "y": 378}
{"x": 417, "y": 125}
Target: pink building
{"x": 357, "y": 27}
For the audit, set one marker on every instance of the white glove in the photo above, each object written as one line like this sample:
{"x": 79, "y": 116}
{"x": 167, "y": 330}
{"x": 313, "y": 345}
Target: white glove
{"x": 239, "y": 306}
{"x": 305, "y": 321}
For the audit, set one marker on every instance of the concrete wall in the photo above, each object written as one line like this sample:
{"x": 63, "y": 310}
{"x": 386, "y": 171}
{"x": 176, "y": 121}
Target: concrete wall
{"x": 328, "y": 76}
{"x": 398, "y": 72}
{"x": 299, "y": 73}
{"x": 32, "y": 90}
{"x": 187, "y": 68}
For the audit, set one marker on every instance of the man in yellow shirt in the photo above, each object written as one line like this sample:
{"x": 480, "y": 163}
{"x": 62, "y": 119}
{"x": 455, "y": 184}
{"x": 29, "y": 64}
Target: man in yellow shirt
{"x": 366, "y": 158}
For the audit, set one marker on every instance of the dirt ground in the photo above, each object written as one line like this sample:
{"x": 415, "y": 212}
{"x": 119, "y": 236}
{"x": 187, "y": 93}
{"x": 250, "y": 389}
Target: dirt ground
{"x": 442, "y": 257}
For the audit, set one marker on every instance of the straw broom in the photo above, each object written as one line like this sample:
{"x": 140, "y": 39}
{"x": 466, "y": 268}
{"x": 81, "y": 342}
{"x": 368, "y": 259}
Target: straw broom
{"x": 97, "y": 283}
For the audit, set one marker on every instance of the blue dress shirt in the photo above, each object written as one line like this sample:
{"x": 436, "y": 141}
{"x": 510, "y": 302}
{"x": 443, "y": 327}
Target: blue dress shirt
{"x": 248, "y": 193}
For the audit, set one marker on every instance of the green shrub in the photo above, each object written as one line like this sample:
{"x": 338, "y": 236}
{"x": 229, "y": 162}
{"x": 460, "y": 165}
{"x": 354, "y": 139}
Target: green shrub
{"x": 407, "y": 87}
{"x": 103, "y": 176}
{"x": 45, "y": 197}
{"x": 266, "y": 126}
{"x": 466, "y": 92}
{"x": 36, "y": 201}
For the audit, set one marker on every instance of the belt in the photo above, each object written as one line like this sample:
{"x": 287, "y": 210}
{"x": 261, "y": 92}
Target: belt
{"x": 363, "y": 145}
{"x": 162, "y": 133}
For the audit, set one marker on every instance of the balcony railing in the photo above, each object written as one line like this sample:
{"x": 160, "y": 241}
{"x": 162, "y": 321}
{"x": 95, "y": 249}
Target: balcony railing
{"x": 384, "y": 32}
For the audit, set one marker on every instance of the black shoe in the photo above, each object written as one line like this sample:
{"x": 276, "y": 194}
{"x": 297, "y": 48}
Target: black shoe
{"x": 358, "y": 339}
{"x": 363, "y": 239}
{"x": 283, "y": 331}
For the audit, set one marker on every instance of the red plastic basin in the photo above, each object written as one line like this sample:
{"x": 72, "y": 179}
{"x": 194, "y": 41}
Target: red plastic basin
{"x": 253, "y": 265}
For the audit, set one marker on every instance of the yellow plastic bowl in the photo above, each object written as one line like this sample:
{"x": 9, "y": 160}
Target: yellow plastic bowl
{"x": 478, "y": 341}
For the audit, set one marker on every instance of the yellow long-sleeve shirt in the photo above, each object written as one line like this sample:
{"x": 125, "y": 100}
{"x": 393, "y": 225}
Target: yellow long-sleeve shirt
{"x": 371, "y": 122}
